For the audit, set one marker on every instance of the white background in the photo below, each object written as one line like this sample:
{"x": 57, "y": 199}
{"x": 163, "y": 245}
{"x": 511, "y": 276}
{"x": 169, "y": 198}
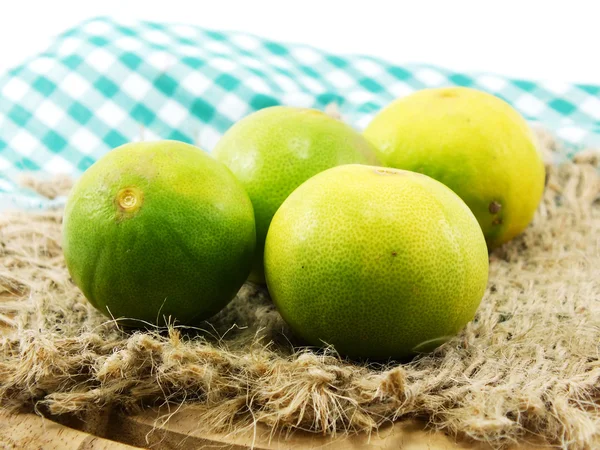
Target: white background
{"x": 554, "y": 40}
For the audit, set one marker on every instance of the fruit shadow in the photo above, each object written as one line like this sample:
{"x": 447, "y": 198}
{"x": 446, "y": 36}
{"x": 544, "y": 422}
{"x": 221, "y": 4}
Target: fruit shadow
{"x": 250, "y": 320}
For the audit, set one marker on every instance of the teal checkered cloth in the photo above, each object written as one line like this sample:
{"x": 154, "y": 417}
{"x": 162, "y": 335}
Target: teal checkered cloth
{"x": 105, "y": 83}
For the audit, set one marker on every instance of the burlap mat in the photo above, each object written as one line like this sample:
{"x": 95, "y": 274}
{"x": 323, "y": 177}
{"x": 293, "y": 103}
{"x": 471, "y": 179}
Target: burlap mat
{"x": 528, "y": 363}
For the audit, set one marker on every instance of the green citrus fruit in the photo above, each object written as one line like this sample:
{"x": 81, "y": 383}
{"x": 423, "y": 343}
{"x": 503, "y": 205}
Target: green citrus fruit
{"x": 377, "y": 262}
{"x": 274, "y": 150}
{"x": 158, "y": 230}
{"x": 474, "y": 143}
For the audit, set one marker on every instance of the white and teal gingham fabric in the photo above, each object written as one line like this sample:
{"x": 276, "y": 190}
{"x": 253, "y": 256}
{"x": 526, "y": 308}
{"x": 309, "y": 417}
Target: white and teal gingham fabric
{"x": 105, "y": 83}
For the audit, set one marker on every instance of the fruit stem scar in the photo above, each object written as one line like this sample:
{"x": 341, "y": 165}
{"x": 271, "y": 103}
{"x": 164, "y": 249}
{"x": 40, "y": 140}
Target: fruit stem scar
{"x": 494, "y": 207}
{"x": 129, "y": 199}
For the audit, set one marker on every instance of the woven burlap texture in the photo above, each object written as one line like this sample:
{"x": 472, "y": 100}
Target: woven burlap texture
{"x": 528, "y": 363}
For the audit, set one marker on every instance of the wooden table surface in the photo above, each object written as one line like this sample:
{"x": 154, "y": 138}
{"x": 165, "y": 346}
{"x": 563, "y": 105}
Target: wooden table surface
{"x": 181, "y": 432}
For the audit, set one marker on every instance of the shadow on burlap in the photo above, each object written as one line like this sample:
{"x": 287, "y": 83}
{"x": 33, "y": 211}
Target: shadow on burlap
{"x": 527, "y": 365}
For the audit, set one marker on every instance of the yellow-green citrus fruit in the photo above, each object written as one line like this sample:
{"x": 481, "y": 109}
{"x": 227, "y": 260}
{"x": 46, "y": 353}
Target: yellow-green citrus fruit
{"x": 378, "y": 262}
{"x": 474, "y": 143}
{"x": 158, "y": 231}
{"x": 274, "y": 150}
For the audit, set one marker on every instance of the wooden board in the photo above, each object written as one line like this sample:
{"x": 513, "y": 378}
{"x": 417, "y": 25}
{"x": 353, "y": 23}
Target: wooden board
{"x": 182, "y": 432}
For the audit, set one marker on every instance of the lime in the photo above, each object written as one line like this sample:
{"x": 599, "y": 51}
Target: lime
{"x": 274, "y": 150}
{"x": 474, "y": 143}
{"x": 380, "y": 263}
{"x": 158, "y": 231}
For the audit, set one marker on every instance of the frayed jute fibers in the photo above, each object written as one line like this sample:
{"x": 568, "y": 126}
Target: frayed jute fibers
{"x": 528, "y": 365}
